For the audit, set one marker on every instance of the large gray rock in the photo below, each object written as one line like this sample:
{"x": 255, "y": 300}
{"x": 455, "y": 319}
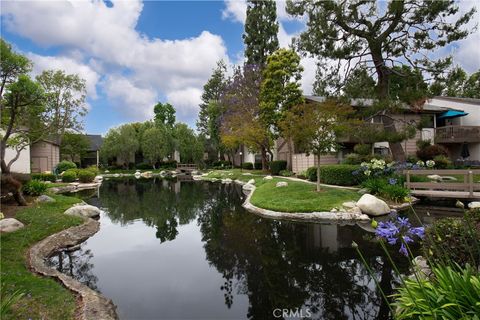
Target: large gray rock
{"x": 373, "y": 206}
{"x": 281, "y": 184}
{"x": 267, "y": 178}
{"x": 349, "y": 204}
{"x": 45, "y": 198}
{"x": 251, "y": 181}
{"x": 86, "y": 210}
{"x": 248, "y": 187}
{"x": 474, "y": 205}
{"x": 10, "y": 225}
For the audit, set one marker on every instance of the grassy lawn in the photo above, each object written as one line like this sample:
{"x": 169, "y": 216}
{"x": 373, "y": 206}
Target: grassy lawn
{"x": 235, "y": 174}
{"x": 43, "y": 298}
{"x": 57, "y": 184}
{"x": 459, "y": 177}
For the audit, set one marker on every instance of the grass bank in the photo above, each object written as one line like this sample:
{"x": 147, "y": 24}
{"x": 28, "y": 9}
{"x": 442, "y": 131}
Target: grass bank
{"x": 298, "y": 196}
{"x": 43, "y": 298}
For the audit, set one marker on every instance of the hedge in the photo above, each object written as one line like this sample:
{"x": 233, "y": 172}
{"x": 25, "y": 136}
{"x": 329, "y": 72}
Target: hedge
{"x": 277, "y": 166}
{"x": 257, "y": 165}
{"x": 44, "y": 177}
{"x": 65, "y": 165}
{"x": 85, "y": 175}
{"x": 69, "y": 175}
{"x": 338, "y": 174}
{"x": 247, "y": 165}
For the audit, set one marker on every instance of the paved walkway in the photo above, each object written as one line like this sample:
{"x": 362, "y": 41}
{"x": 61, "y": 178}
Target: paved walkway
{"x": 322, "y": 184}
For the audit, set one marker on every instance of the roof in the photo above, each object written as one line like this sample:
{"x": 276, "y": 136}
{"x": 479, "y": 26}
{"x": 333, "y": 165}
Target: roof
{"x": 461, "y": 100}
{"x": 96, "y": 141}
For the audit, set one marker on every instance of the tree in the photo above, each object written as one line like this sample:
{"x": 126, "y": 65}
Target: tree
{"x": 457, "y": 83}
{"x": 188, "y": 144}
{"x": 74, "y": 145}
{"x": 280, "y": 90}
{"x": 241, "y": 123}
{"x": 362, "y": 32}
{"x": 359, "y": 85}
{"x": 120, "y": 143}
{"x": 156, "y": 145}
{"x": 12, "y": 65}
{"x": 164, "y": 114}
{"x": 316, "y": 127}
{"x": 472, "y": 86}
{"x": 261, "y": 29}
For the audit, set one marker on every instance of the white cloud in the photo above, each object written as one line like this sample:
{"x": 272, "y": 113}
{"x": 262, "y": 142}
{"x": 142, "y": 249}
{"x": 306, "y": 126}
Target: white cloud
{"x": 70, "y": 66}
{"x": 187, "y": 99}
{"x": 235, "y": 10}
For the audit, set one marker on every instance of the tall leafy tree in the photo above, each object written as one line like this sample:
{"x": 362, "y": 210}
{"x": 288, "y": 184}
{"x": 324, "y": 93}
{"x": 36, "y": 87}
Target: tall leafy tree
{"x": 156, "y": 144}
{"x": 121, "y": 144}
{"x": 73, "y": 146}
{"x": 472, "y": 86}
{"x": 261, "y": 29}
{"x": 366, "y": 32}
{"x": 359, "y": 84}
{"x": 280, "y": 90}
{"x": 457, "y": 83}
{"x": 188, "y": 144}
{"x": 164, "y": 114}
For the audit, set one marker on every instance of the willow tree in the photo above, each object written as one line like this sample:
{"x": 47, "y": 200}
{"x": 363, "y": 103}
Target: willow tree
{"x": 380, "y": 36}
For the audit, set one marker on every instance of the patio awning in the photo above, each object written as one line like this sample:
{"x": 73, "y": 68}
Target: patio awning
{"x": 452, "y": 114}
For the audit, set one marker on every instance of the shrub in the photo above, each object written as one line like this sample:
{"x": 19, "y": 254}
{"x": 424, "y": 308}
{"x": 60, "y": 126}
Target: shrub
{"x": 422, "y": 144}
{"x": 247, "y": 165}
{"x": 85, "y": 175}
{"x": 168, "y": 164}
{"x": 143, "y": 166}
{"x": 451, "y": 293}
{"x": 363, "y": 149}
{"x": 65, "y": 165}
{"x": 257, "y": 165}
{"x": 374, "y": 185}
{"x": 394, "y": 192}
{"x": 69, "y": 175}
{"x": 277, "y": 166}
{"x": 44, "y": 177}
{"x": 431, "y": 152}
{"x": 286, "y": 173}
{"x": 93, "y": 169}
{"x": 353, "y": 158}
{"x": 337, "y": 174}
{"x": 412, "y": 158}
{"x": 442, "y": 162}
{"x": 454, "y": 239}
{"x": 34, "y": 187}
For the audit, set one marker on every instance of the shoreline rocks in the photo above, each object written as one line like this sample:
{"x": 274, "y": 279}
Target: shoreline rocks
{"x": 86, "y": 211}
{"x": 10, "y": 225}
{"x": 373, "y": 206}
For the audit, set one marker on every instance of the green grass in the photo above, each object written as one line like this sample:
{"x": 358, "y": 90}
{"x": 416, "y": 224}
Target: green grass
{"x": 459, "y": 177}
{"x": 43, "y": 298}
{"x": 235, "y": 174}
{"x": 57, "y": 184}
{"x": 299, "y": 197}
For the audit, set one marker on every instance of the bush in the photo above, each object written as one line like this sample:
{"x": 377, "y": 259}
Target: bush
{"x": 144, "y": 166}
{"x": 431, "y": 152}
{"x": 394, "y": 192}
{"x": 363, "y": 149}
{"x": 454, "y": 239}
{"x": 69, "y": 175}
{"x": 353, "y": 158}
{"x": 277, "y": 166}
{"x": 337, "y": 174}
{"x": 65, "y": 165}
{"x": 172, "y": 164}
{"x": 374, "y": 185}
{"x": 257, "y": 165}
{"x": 412, "y": 158}
{"x": 422, "y": 144}
{"x": 247, "y": 165}
{"x": 34, "y": 187}
{"x": 85, "y": 175}
{"x": 442, "y": 162}
{"x": 286, "y": 173}
{"x": 44, "y": 177}
{"x": 93, "y": 169}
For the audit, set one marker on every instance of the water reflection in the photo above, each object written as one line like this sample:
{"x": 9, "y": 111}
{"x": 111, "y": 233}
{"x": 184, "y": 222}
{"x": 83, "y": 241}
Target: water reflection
{"x": 249, "y": 266}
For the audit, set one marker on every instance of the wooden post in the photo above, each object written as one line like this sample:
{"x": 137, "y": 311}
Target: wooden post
{"x": 408, "y": 180}
{"x": 470, "y": 183}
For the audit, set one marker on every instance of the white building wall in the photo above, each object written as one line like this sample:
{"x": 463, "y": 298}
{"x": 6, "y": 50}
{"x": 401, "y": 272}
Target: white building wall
{"x": 22, "y": 164}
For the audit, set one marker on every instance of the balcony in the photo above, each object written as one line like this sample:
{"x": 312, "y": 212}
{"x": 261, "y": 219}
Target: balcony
{"x": 457, "y": 134}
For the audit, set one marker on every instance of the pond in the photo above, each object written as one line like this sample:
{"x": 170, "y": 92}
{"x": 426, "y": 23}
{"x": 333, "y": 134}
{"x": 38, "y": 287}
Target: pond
{"x": 188, "y": 250}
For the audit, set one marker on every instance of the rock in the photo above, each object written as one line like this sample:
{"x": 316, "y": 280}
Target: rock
{"x": 246, "y": 174}
{"x": 281, "y": 184}
{"x": 248, "y": 186}
{"x": 372, "y": 205}
{"x": 421, "y": 268}
{"x": 227, "y": 180}
{"x": 349, "y": 204}
{"x": 435, "y": 177}
{"x": 459, "y": 204}
{"x": 137, "y": 175}
{"x": 448, "y": 178}
{"x": 45, "y": 198}
{"x": 98, "y": 179}
{"x": 363, "y": 191}
{"x": 267, "y": 178}
{"x": 106, "y": 171}
{"x": 74, "y": 183}
{"x": 146, "y": 174}
{"x": 355, "y": 210}
{"x": 116, "y": 175}
{"x": 137, "y": 171}
{"x": 251, "y": 181}
{"x": 474, "y": 205}
{"x": 83, "y": 211}
{"x": 10, "y": 225}
{"x": 47, "y": 182}
{"x": 367, "y": 226}
{"x": 334, "y": 210}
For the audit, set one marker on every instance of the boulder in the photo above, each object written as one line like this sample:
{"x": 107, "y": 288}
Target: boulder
{"x": 227, "y": 180}
{"x": 246, "y": 174}
{"x": 363, "y": 191}
{"x": 248, "y": 186}
{"x": 45, "y": 198}
{"x": 435, "y": 177}
{"x": 334, "y": 210}
{"x": 373, "y": 206}
{"x": 267, "y": 178}
{"x": 137, "y": 175}
{"x": 106, "y": 171}
{"x": 87, "y": 211}
{"x": 474, "y": 205}
{"x": 281, "y": 184}
{"x": 349, "y": 204}
{"x": 251, "y": 181}
{"x": 98, "y": 179}
{"x": 146, "y": 174}
{"x": 10, "y": 225}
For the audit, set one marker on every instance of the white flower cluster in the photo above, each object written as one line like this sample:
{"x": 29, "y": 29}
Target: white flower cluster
{"x": 428, "y": 163}
{"x": 375, "y": 165}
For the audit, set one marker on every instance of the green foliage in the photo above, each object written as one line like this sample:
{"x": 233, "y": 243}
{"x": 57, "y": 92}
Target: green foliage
{"x": 93, "y": 169}
{"x": 85, "y": 175}
{"x": 34, "y": 187}
{"x": 394, "y": 192}
{"x": 375, "y": 185}
{"x": 247, "y": 165}
{"x": 422, "y": 144}
{"x": 451, "y": 293}
{"x": 457, "y": 84}
{"x": 363, "y": 149}
{"x": 222, "y": 164}
{"x": 261, "y": 29}
{"x": 442, "y": 162}
{"x": 7, "y": 300}
{"x": 164, "y": 114}
{"x": 338, "y": 174}
{"x": 454, "y": 240}
{"x": 257, "y": 165}
{"x": 286, "y": 173}
{"x": 156, "y": 144}
{"x": 74, "y": 145}
{"x": 65, "y": 165}
{"x": 69, "y": 175}
{"x": 121, "y": 143}
{"x": 353, "y": 158}
{"x": 277, "y": 166}
{"x": 358, "y": 85}
{"x": 189, "y": 146}
{"x": 430, "y": 152}
{"x": 44, "y": 177}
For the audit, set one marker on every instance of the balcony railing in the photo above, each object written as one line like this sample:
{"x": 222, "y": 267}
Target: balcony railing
{"x": 457, "y": 134}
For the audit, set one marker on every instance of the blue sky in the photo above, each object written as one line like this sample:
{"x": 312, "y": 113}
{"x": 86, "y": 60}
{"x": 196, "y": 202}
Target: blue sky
{"x": 134, "y": 53}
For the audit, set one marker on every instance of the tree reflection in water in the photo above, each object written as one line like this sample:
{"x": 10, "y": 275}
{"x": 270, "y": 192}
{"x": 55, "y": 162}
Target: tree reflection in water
{"x": 277, "y": 264}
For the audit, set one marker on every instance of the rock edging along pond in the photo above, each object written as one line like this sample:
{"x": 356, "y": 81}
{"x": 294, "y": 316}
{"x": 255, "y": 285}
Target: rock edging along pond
{"x": 92, "y": 304}
{"x": 301, "y": 216}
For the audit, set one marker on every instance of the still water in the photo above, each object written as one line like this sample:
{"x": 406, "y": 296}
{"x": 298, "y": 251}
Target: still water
{"x": 188, "y": 250}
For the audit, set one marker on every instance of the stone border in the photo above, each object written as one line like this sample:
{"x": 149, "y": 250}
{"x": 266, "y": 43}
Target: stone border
{"x": 91, "y": 305}
{"x": 75, "y": 187}
{"x": 326, "y": 216}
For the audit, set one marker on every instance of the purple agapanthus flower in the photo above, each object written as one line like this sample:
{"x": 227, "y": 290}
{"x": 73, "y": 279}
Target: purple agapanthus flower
{"x": 401, "y": 228}
{"x": 392, "y": 181}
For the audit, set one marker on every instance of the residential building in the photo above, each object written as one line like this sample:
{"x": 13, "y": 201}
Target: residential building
{"x": 44, "y": 156}
{"x": 92, "y": 156}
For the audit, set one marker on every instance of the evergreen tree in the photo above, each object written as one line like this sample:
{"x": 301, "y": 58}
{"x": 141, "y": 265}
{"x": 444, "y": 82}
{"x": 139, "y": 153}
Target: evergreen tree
{"x": 261, "y": 28}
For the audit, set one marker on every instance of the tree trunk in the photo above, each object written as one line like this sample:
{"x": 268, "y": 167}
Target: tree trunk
{"x": 290, "y": 155}
{"x": 318, "y": 172}
{"x": 395, "y": 147}
{"x": 264, "y": 159}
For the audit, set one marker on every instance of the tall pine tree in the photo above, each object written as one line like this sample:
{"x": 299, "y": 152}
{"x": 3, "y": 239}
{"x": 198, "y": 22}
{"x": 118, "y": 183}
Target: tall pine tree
{"x": 261, "y": 29}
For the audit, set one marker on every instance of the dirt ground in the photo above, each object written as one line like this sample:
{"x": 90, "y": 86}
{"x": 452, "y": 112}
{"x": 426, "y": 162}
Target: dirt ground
{"x": 10, "y": 207}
